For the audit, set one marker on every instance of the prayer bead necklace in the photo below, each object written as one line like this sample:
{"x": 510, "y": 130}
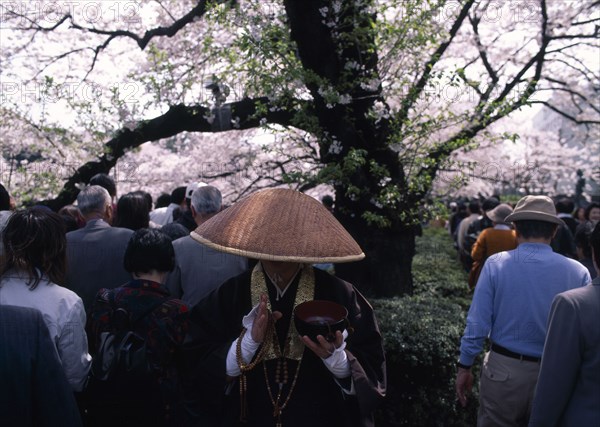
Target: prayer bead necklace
{"x": 246, "y": 367}
{"x": 279, "y": 407}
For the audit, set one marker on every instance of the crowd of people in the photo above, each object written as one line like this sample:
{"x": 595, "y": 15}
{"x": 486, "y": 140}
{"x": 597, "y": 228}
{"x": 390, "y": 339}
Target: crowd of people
{"x": 478, "y": 230}
{"x": 182, "y": 314}
{"x": 536, "y": 306}
{"x": 122, "y": 312}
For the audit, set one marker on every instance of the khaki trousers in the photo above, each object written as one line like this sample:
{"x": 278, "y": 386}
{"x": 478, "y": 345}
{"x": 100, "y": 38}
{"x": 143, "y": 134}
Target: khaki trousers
{"x": 506, "y": 391}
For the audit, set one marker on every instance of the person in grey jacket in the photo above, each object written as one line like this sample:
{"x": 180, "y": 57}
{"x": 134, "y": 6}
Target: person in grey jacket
{"x": 568, "y": 389}
{"x": 95, "y": 252}
{"x": 198, "y": 268}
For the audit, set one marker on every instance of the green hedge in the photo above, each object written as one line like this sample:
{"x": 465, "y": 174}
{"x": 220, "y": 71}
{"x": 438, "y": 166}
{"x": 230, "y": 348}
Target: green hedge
{"x": 436, "y": 268}
{"x": 422, "y": 337}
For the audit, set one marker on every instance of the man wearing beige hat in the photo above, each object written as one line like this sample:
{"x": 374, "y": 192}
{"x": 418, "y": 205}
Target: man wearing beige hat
{"x": 500, "y": 237}
{"x": 245, "y": 359}
{"x": 510, "y": 306}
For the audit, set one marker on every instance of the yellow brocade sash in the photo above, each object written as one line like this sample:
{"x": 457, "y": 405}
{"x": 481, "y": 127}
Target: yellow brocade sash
{"x": 294, "y": 346}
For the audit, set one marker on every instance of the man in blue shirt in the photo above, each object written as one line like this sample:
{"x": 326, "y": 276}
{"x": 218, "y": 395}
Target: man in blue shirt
{"x": 510, "y": 306}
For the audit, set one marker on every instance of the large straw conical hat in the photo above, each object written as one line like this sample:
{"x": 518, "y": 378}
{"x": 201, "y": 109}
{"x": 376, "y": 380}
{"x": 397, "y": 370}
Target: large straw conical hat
{"x": 279, "y": 225}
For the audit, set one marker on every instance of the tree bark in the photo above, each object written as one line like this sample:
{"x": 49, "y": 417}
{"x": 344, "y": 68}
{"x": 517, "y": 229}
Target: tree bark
{"x": 387, "y": 269}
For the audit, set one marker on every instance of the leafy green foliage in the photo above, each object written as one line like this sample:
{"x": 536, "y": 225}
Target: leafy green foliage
{"x": 436, "y": 270}
{"x": 422, "y": 337}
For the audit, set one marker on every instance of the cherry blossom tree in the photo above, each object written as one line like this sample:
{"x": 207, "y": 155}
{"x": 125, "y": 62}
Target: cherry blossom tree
{"x": 371, "y": 98}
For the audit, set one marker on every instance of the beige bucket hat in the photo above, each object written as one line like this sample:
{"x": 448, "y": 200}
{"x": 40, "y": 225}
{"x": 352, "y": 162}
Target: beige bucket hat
{"x": 499, "y": 213}
{"x": 279, "y": 225}
{"x": 538, "y": 208}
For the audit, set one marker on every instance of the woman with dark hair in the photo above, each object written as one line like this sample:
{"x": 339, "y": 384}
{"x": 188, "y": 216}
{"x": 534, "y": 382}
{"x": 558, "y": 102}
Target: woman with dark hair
{"x": 33, "y": 268}
{"x": 580, "y": 214}
{"x": 147, "y": 196}
{"x": 154, "y": 399}
{"x": 132, "y": 211}
{"x": 592, "y": 212}
{"x": 72, "y": 218}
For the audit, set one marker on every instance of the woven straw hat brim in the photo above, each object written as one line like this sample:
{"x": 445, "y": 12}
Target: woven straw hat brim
{"x": 279, "y": 225}
{"x": 283, "y": 258}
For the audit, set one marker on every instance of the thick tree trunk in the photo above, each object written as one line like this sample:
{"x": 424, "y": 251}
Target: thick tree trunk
{"x": 354, "y": 142}
{"x": 387, "y": 269}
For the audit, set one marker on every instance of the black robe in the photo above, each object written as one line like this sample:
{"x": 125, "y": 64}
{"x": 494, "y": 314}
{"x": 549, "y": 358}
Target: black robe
{"x": 317, "y": 399}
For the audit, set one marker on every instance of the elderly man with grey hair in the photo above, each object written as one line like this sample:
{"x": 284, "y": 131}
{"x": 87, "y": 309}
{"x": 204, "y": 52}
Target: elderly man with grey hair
{"x": 198, "y": 268}
{"x": 95, "y": 252}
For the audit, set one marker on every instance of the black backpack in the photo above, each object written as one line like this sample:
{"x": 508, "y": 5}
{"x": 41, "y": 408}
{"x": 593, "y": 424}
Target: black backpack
{"x": 121, "y": 351}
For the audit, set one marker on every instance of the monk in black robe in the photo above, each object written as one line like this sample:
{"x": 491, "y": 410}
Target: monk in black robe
{"x": 311, "y": 393}
{"x": 246, "y": 362}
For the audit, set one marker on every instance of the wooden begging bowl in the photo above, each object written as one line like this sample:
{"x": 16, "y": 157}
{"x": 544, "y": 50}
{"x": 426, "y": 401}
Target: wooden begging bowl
{"x": 319, "y": 317}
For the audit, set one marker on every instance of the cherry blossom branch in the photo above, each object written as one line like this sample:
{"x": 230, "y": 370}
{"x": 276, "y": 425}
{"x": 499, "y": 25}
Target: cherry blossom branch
{"x": 567, "y": 115}
{"x": 419, "y": 86}
{"x": 179, "y": 118}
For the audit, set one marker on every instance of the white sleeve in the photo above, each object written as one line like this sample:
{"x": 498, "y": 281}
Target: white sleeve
{"x": 249, "y": 346}
{"x": 72, "y": 348}
{"x": 339, "y": 365}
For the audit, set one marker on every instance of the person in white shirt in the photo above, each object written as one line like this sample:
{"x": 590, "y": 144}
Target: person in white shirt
{"x": 35, "y": 265}
{"x": 164, "y": 215}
